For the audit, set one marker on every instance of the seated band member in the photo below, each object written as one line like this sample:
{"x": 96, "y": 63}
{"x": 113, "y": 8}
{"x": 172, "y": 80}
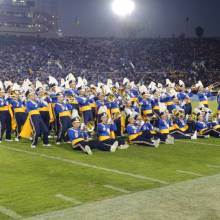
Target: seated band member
{"x": 138, "y": 136}
{"x": 79, "y": 139}
{"x": 204, "y": 131}
{"x": 63, "y": 117}
{"x": 182, "y": 129}
{"x": 105, "y": 132}
{"x": 34, "y": 124}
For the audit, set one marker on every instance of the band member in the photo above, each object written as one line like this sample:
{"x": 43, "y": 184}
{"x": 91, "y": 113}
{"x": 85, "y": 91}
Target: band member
{"x": 105, "y": 133}
{"x": 218, "y": 101}
{"x": 5, "y": 117}
{"x": 79, "y": 140}
{"x": 146, "y": 104}
{"x": 203, "y": 96}
{"x": 63, "y": 117}
{"x": 44, "y": 108}
{"x": 84, "y": 105}
{"x": 182, "y": 129}
{"x": 204, "y": 131}
{"x": 34, "y": 126}
{"x": 137, "y": 135}
{"x": 164, "y": 129}
{"x": 19, "y": 110}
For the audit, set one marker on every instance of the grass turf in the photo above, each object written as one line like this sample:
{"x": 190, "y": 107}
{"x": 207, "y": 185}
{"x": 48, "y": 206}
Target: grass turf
{"x": 29, "y": 183}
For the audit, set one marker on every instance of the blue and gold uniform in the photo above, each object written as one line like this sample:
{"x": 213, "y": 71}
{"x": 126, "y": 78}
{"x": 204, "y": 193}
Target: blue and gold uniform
{"x": 218, "y": 101}
{"x": 146, "y": 107}
{"x": 5, "y": 119}
{"x": 79, "y": 141}
{"x": 34, "y": 125}
{"x": 168, "y": 100}
{"x": 106, "y": 134}
{"x": 203, "y": 98}
{"x": 139, "y": 135}
{"x": 85, "y": 108}
{"x": 20, "y": 113}
{"x": 63, "y": 116}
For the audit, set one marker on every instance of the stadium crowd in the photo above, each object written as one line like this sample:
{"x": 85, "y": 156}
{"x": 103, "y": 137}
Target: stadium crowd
{"x": 100, "y": 58}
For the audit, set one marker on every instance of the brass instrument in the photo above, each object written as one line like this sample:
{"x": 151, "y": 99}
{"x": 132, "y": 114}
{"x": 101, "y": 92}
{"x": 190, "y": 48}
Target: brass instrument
{"x": 71, "y": 99}
{"x": 214, "y": 88}
{"x": 193, "y": 117}
{"x": 90, "y": 127}
{"x": 110, "y": 98}
{"x": 114, "y": 90}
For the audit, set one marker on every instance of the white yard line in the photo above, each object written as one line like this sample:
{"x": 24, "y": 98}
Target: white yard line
{"x": 200, "y": 143}
{"x": 116, "y": 189}
{"x": 188, "y": 200}
{"x": 88, "y": 165}
{"x": 9, "y": 213}
{"x": 67, "y": 199}
{"x": 189, "y": 172}
{"x": 214, "y": 166}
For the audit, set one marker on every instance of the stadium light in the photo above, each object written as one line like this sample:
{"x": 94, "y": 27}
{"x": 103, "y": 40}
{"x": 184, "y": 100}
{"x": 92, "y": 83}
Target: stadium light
{"x": 123, "y": 8}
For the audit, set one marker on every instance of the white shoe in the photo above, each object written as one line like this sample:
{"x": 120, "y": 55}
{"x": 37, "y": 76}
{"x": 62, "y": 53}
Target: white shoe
{"x": 194, "y": 137}
{"x": 8, "y": 140}
{"x": 0, "y": 142}
{"x": 207, "y": 136}
{"x": 47, "y": 145}
{"x": 88, "y": 150}
{"x": 123, "y": 147}
{"x": 57, "y": 143}
{"x": 17, "y": 139}
{"x": 171, "y": 139}
{"x": 33, "y": 146}
{"x": 156, "y": 143}
{"x": 114, "y": 147}
{"x": 50, "y": 136}
{"x": 31, "y": 139}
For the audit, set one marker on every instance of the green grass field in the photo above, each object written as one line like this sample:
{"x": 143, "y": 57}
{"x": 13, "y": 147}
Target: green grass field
{"x": 42, "y": 180}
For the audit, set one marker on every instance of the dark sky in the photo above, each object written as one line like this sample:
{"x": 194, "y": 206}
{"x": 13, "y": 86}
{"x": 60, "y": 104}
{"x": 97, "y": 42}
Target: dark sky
{"x": 152, "y": 17}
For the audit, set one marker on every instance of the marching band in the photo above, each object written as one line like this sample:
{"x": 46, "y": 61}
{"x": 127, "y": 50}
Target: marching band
{"x": 107, "y": 116}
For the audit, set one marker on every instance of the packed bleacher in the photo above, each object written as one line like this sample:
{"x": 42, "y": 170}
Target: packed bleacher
{"x": 100, "y": 58}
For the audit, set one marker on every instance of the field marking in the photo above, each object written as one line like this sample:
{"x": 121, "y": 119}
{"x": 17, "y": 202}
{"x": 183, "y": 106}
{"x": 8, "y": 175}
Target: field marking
{"x": 67, "y": 199}
{"x": 188, "y": 172}
{"x": 116, "y": 188}
{"x": 89, "y": 165}
{"x": 9, "y": 213}
{"x": 200, "y": 143}
{"x": 215, "y": 166}
{"x": 187, "y": 200}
